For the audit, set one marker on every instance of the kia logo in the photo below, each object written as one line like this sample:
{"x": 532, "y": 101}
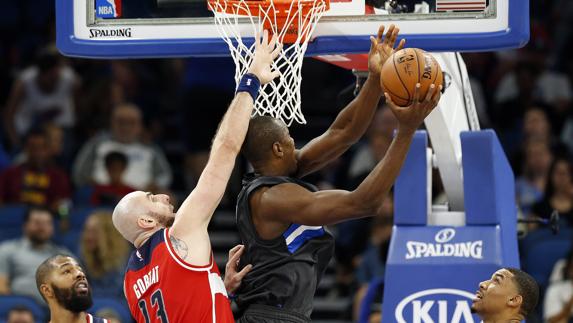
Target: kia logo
{"x": 421, "y": 306}
{"x": 445, "y": 235}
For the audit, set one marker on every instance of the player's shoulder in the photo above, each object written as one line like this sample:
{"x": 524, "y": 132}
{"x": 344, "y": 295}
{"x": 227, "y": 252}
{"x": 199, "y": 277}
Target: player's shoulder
{"x": 144, "y": 255}
{"x": 285, "y": 190}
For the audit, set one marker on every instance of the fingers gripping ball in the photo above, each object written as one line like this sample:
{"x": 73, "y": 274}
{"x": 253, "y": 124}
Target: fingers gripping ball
{"x": 404, "y": 69}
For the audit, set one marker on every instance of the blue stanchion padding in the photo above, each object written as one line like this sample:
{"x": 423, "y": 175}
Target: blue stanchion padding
{"x": 489, "y": 188}
{"x": 432, "y": 272}
{"x": 410, "y": 196}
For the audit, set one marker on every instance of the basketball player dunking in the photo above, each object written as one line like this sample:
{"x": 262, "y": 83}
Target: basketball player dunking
{"x": 171, "y": 276}
{"x": 280, "y": 217}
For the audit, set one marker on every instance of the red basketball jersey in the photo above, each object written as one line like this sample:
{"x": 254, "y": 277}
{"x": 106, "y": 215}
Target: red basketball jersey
{"x": 161, "y": 287}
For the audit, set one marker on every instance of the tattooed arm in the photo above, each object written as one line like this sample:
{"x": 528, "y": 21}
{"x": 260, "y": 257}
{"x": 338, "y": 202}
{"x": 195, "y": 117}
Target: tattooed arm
{"x": 179, "y": 246}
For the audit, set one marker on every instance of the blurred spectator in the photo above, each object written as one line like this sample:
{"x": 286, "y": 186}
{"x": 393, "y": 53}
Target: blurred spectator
{"x": 147, "y": 166}
{"x": 517, "y": 87}
{"x": 558, "y": 192}
{"x": 558, "y": 302}
{"x": 555, "y": 90}
{"x": 527, "y": 84}
{"x": 37, "y": 181}
{"x": 350, "y": 238}
{"x": 20, "y": 314}
{"x": 538, "y": 125}
{"x": 103, "y": 251}
{"x": 379, "y": 137}
{"x": 55, "y": 144}
{"x": 43, "y": 92}
{"x": 110, "y": 194}
{"x": 19, "y": 258}
{"x": 529, "y": 187}
{"x": 373, "y": 262}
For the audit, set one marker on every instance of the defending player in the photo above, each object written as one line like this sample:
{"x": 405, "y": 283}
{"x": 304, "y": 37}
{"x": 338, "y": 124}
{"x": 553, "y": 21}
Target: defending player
{"x": 172, "y": 277}
{"x": 280, "y": 217}
{"x": 509, "y": 296}
{"x": 63, "y": 285}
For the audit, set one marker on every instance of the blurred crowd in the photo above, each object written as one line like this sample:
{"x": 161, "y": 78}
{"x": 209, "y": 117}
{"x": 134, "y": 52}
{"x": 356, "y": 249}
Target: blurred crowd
{"x": 83, "y": 133}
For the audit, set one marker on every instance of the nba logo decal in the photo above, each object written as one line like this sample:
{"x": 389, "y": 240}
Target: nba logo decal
{"x": 108, "y": 8}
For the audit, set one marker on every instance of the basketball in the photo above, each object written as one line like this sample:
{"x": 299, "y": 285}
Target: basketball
{"x": 404, "y": 69}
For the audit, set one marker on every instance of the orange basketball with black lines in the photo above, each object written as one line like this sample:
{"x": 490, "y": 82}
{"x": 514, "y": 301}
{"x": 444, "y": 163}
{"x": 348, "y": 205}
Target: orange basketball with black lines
{"x": 404, "y": 69}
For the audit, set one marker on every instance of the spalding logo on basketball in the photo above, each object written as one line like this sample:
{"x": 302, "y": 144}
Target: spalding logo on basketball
{"x": 404, "y": 69}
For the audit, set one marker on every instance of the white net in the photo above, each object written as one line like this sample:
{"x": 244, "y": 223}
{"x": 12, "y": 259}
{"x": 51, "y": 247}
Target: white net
{"x": 293, "y": 22}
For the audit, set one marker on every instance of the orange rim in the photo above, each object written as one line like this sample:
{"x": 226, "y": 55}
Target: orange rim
{"x": 277, "y": 9}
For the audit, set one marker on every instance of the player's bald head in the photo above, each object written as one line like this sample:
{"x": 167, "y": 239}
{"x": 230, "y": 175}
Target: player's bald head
{"x": 139, "y": 214}
{"x": 126, "y": 214}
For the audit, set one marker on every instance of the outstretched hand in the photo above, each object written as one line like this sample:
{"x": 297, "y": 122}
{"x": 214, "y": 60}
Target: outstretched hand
{"x": 233, "y": 278}
{"x": 411, "y": 117}
{"x": 265, "y": 54}
{"x": 381, "y": 50}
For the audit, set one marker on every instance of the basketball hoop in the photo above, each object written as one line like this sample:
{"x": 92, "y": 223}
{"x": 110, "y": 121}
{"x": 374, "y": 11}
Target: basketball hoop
{"x": 293, "y": 21}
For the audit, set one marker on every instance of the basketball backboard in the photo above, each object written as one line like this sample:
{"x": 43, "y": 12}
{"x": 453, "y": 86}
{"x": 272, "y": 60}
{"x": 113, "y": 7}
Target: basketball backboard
{"x": 170, "y": 28}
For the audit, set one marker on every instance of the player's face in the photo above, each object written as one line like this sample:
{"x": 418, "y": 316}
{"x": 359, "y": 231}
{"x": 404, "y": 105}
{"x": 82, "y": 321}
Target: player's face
{"x": 289, "y": 149}
{"x": 160, "y": 205}
{"x": 494, "y": 294}
{"x": 70, "y": 286}
{"x": 290, "y": 155}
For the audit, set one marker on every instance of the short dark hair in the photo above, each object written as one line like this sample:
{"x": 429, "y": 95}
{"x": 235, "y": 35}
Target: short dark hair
{"x": 44, "y": 270}
{"x": 115, "y": 157}
{"x": 263, "y": 132}
{"x": 33, "y": 209}
{"x": 528, "y": 289}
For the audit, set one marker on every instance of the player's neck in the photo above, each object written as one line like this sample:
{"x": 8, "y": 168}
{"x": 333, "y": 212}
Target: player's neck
{"x": 502, "y": 319}
{"x": 271, "y": 170}
{"x": 62, "y": 315}
{"x": 143, "y": 237}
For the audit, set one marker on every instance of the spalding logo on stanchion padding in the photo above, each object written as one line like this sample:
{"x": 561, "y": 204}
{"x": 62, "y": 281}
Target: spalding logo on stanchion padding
{"x": 463, "y": 249}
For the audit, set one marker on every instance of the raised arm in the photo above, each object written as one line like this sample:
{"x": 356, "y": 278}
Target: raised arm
{"x": 292, "y": 203}
{"x": 196, "y": 211}
{"x": 354, "y": 119}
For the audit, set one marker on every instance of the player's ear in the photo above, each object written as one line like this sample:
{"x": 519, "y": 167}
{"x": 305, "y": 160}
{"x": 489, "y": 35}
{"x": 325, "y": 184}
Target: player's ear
{"x": 46, "y": 291}
{"x": 146, "y": 222}
{"x": 515, "y": 301}
{"x": 278, "y": 149}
